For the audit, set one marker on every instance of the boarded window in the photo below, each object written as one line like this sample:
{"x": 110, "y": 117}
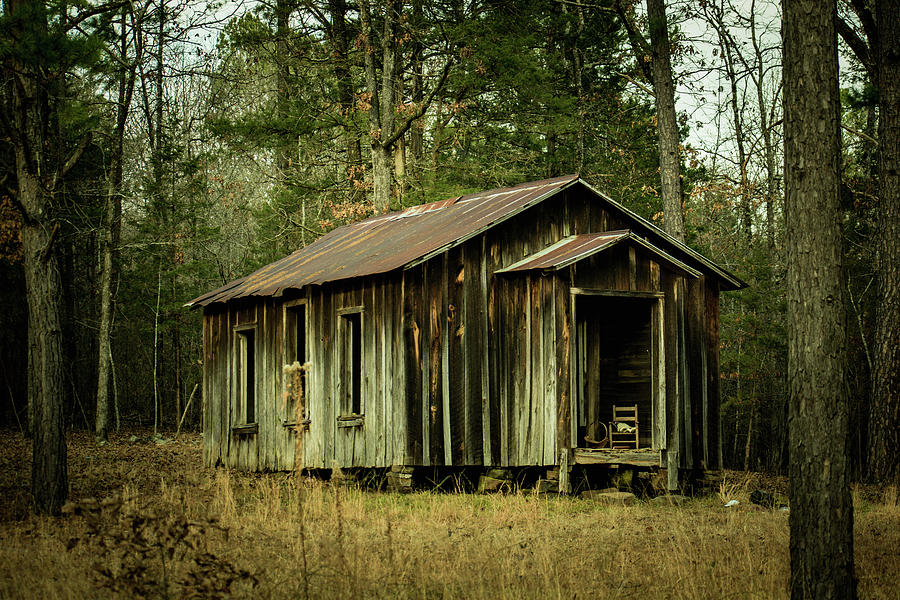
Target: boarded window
{"x": 351, "y": 361}
{"x": 295, "y": 357}
{"x": 245, "y": 359}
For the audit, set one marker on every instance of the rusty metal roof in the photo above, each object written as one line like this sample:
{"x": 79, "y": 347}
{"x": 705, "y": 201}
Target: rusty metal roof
{"x": 578, "y": 247}
{"x": 387, "y": 242}
{"x": 406, "y": 238}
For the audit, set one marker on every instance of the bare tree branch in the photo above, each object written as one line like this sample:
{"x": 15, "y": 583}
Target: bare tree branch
{"x": 423, "y": 108}
{"x": 858, "y": 45}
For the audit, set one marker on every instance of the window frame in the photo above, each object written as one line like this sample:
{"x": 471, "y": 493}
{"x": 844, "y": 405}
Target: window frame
{"x": 245, "y": 380}
{"x": 290, "y": 346}
{"x": 351, "y": 404}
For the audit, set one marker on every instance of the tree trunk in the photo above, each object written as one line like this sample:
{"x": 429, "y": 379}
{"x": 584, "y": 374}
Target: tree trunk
{"x": 110, "y": 242}
{"x": 417, "y": 133}
{"x": 113, "y": 213}
{"x": 748, "y": 443}
{"x": 383, "y": 176}
{"x": 765, "y": 130}
{"x": 884, "y": 423}
{"x": 382, "y": 98}
{"x": 37, "y": 178}
{"x": 667, "y": 124}
{"x": 746, "y": 211}
{"x": 821, "y": 519}
{"x": 49, "y": 477}
{"x": 340, "y": 42}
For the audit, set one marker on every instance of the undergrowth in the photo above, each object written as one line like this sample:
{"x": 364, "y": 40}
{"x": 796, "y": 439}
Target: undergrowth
{"x": 171, "y": 529}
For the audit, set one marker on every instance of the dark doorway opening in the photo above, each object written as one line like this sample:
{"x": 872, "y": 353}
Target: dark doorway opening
{"x": 617, "y": 363}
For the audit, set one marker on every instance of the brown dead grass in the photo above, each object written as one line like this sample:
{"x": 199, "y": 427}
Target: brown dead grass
{"x": 221, "y": 533}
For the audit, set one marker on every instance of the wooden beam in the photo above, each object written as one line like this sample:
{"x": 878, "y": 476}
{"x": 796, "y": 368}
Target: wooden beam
{"x": 615, "y": 293}
{"x": 605, "y": 456}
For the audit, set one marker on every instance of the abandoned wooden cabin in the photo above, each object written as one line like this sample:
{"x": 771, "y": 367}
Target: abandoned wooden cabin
{"x": 501, "y": 329}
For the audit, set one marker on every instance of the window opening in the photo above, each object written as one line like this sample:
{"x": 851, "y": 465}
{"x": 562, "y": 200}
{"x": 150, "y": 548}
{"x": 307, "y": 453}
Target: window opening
{"x": 352, "y": 364}
{"x": 295, "y": 409}
{"x": 246, "y": 374}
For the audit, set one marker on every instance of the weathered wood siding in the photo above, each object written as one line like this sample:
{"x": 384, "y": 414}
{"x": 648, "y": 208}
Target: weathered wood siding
{"x": 461, "y": 366}
{"x": 272, "y": 445}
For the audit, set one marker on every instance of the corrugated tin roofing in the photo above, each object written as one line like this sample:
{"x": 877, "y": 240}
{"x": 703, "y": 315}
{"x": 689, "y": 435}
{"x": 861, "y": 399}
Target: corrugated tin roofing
{"x": 578, "y": 247}
{"x": 387, "y": 242}
{"x": 403, "y": 239}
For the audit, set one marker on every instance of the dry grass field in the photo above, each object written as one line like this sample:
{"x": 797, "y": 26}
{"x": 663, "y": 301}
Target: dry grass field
{"x": 148, "y": 521}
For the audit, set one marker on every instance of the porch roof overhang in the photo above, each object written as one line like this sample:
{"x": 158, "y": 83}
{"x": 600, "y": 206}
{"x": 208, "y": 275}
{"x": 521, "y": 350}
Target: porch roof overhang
{"x": 579, "y": 247}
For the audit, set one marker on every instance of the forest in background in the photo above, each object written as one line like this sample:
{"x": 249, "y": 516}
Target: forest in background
{"x": 212, "y": 138}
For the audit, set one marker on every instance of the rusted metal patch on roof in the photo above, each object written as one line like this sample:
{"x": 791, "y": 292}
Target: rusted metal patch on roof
{"x": 567, "y": 251}
{"x": 578, "y": 247}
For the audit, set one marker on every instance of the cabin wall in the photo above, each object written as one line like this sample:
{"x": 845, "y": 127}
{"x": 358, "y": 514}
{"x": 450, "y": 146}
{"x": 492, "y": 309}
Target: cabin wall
{"x": 376, "y": 441}
{"x": 270, "y": 446}
{"x": 376, "y": 436}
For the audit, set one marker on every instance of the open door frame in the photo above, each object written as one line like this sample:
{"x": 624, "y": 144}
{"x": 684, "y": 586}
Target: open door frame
{"x": 657, "y": 361}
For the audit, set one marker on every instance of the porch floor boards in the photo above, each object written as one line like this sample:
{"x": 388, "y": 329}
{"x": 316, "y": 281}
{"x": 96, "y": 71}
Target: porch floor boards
{"x": 607, "y": 456}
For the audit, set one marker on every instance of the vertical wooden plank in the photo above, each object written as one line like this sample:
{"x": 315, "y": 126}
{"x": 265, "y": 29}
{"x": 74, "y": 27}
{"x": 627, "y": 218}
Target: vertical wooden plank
{"x": 209, "y": 372}
{"x": 415, "y": 332}
{"x": 382, "y": 383}
{"x": 535, "y": 435}
{"x": 687, "y": 447}
{"x": 505, "y": 336}
{"x": 265, "y": 377}
{"x": 370, "y": 334}
{"x": 599, "y": 221}
{"x": 548, "y": 367}
{"x": 470, "y": 364}
{"x": 485, "y": 354}
{"x": 398, "y": 371}
{"x": 205, "y": 370}
{"x": 330, "y": 366}
{"x": 445, "y": 324}
{"x": 427, "y": 414}
{"x": 316, "y": 375}
{"x": 642, "y": 273}
{"x": 523, "y": 367}
{"x": 338, "y": 382}
{"x": 228, "y": 419}
{"x": 658, "y": 362}
{"x": 456, "y": 371}
{"x": 673, "y": 393}
{"x": 695, "y": 351}
{"x": 564, "y": 372}
{"x": 433, "y": 284}
{"x": 396, "y": 450}
{"x": 632, "y": 269}
{"x": 576, "y": 360}
{"x": 471, "y": 351}
{"x": 494, "y": 352}
{"x": 619, "y": 262}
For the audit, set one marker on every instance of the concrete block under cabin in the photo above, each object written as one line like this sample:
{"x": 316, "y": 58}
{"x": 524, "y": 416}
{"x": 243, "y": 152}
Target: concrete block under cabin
{"x": 542, "y": 325}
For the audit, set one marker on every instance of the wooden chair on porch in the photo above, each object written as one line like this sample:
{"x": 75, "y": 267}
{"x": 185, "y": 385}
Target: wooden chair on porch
{"x": 623, "y": 429}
